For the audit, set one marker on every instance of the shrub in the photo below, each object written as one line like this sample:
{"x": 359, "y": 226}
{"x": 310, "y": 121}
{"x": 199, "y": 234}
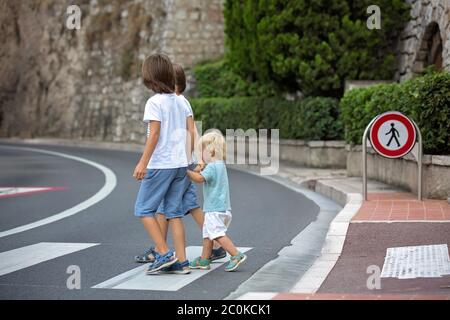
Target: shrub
{"x": 216, "y": 79}
{"x": 308, "y": 119}
{"x": 425, "y": 99}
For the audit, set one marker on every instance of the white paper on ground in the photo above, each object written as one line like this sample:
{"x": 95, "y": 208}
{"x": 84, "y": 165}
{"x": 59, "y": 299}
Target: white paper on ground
{"x": 428, "y": 261}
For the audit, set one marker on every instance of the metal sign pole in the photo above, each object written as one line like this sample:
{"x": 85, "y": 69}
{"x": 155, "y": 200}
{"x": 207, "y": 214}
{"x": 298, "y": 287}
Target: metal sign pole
{"x": 364, "y": 158}
{"x": 419, "y": 161}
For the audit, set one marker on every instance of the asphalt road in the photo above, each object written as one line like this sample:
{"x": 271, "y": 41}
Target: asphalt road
{"x": 266, "y": 217}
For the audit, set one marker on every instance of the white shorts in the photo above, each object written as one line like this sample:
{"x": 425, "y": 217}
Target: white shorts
{"x": 216, "y": 224}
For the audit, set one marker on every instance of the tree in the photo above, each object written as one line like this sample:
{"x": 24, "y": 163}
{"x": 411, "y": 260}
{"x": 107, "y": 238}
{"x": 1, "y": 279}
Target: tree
{"x": 311, "y": 45}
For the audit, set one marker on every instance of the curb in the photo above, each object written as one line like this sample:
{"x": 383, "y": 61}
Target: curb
{"x": 335, "y": 238}
{"x": 132, "y": 147}
{"x": 296, "y": 258}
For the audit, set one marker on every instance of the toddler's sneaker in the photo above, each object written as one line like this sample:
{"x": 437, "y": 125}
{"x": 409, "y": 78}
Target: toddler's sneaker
{"x": 235, "y": 261}
{"x": 199, "y": 263}
{"x": 217, "y": 254}
{"x": 162, "y": 261}
{"x": 146, "y": 257}
{"x": 177, "y": 268}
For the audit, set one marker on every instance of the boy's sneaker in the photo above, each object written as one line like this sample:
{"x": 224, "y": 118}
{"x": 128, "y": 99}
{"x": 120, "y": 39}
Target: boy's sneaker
{"x": 199, "y": 263}
{"x": 235, "y": 261}
{"x": 177, "y": 268}
{"x": 162, "y": 261}
{"x": 217, "y": 254}
{"x": 146, "y": 257}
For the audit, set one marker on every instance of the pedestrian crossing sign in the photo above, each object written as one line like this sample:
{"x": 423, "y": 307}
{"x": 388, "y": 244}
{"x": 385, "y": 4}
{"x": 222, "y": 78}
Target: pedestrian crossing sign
{"x": 392, "y": 134}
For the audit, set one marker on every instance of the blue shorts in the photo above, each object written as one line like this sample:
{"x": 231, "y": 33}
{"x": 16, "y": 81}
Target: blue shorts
{"x": 162, "y": 185}
{"x": 189, "y": 201}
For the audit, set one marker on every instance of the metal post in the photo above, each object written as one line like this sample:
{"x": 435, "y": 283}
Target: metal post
{"x": 419, "y": 162}
{"x": 364, "y": 158}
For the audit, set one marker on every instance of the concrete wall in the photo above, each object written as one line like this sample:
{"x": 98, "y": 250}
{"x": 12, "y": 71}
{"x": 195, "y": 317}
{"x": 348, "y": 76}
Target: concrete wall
{"x": 317, "y": 154}
{"x": 403, "y": 172}
{"x": 337, "y": 155}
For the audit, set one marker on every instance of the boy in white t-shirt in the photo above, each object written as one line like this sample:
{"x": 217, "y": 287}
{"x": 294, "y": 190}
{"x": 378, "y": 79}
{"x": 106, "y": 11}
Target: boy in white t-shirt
{"x": 190, "y": 202}
{"x": 162, "y": 167}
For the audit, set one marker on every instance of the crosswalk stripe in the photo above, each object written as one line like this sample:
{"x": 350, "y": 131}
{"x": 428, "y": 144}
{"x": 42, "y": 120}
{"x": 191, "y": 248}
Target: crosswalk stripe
{"x": 31, "y": 255}
{"x": 137, "y": 279}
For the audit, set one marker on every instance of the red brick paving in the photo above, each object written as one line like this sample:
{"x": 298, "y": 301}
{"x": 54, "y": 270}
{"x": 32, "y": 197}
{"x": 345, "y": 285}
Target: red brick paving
{"x": 402, "y": 206}
{"x": 328, "y": 296}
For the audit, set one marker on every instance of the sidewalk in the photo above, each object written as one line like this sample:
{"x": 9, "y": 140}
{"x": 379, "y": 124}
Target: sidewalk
{"x": 360, "y": 236}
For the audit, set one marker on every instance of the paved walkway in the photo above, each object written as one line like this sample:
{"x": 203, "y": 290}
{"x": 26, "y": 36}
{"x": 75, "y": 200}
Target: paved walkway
{"x": 318, "y": 296}
{"x": 402, "y": 206}
{"x": 390, "y": 218}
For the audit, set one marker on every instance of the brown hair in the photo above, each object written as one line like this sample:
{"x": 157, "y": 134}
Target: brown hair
{"x": 180, "y": 78}
{"x": 158, "y": 74}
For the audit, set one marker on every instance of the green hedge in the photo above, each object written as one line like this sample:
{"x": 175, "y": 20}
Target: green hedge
{"x": 216, "y": 79}
{"x": 425, "y": 99}
{"x": 308, "y": 119}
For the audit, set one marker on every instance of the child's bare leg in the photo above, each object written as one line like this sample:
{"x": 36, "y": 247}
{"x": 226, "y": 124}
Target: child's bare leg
{"x": 207, "y": 248}
{"x": 199, "y": 217}
{"x": 178, "y": 238}
{"x": 228, "y": 245}
{"x": 154, "y": 231}
{"x": 163, "y": 224}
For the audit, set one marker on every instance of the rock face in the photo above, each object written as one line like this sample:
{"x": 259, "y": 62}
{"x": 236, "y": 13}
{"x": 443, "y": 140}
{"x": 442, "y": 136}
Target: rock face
{"x": 426, "y": 38}
{"x": 85, "y": 83}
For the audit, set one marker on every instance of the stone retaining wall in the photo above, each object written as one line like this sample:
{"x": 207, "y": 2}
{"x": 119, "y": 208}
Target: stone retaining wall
{"x": 403, "y": 172}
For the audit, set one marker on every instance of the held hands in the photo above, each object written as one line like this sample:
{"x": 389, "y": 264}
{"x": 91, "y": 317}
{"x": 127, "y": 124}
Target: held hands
{"x": 199, "y": 167}
{"x": 140, "y": 171}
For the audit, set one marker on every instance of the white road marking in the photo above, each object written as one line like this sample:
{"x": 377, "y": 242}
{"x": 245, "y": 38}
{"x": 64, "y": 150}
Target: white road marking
{"x": 6, "y": 192}
{"x": 108, "y": 187}
{"x": 28, "y": 256}
{"x": 257, "y": 296}
{"x": 137, "y": 279}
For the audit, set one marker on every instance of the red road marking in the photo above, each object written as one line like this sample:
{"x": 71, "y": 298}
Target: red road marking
{"x": 32, "y": 190}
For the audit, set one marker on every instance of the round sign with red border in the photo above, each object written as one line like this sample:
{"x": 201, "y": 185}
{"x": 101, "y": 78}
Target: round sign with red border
{"x": 392, "y": 134}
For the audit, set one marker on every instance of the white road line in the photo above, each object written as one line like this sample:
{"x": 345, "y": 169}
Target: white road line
{"x": 108, "y": 187}
{"x": 258, "y": 296}
{"x": 7, "y": 192}
{"x": 136, "y": 279}
{"x": 28, "y": 256}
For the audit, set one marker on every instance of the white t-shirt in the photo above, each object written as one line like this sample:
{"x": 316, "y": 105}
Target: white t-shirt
{"x": 172, "y": 111}
{"x": 193, "y": 158}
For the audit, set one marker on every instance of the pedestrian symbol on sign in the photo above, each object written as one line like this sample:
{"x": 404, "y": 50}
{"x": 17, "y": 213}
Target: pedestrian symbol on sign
{"x": 394, "y": 134}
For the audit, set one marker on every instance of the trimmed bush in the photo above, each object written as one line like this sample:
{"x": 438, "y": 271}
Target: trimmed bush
{"x": 309, "y": 119}
{"x": 216, "y": 79}
{"x": 425, "y": 99}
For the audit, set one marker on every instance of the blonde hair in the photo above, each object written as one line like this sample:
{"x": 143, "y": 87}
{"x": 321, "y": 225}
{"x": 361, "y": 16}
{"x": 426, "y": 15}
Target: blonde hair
{"x": 213, "y": 142}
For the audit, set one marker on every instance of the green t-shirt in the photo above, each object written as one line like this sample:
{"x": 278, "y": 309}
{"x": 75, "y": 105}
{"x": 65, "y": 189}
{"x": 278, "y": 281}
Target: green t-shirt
{"x": 216, "y": 193}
